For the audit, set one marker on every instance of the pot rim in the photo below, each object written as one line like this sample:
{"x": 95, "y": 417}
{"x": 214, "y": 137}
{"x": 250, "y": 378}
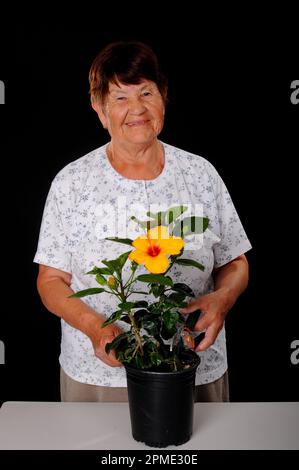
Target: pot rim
{"x": 187, "y": 370}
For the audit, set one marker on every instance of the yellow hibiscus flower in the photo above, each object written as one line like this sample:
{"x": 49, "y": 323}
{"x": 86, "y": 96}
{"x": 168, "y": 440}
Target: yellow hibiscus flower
{"x": 152, "y": 248}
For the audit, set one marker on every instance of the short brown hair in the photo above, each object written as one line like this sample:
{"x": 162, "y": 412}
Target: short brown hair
{"x": 124, "y": 62}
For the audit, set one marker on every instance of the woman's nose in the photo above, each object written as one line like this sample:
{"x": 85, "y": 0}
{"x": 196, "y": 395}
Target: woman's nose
{"x": 136, "y": 105}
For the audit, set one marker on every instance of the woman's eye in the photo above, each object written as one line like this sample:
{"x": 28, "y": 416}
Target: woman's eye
{"x": 120, "y": 98}
{"x": 146, "y": 93}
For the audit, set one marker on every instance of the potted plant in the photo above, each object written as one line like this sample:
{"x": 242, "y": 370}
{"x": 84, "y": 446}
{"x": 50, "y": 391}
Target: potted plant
{"x": 157, "y": 346}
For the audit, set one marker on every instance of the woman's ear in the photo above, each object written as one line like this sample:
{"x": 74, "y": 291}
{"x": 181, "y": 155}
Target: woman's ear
{"x": 100, "y": 112}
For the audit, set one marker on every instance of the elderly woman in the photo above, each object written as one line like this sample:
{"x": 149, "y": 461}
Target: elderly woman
{"x": 93, "y": 197}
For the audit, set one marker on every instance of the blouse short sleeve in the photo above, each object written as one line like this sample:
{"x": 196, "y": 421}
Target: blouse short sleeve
{"x": 228, "y": 227}
{"x": 53, "y": 247}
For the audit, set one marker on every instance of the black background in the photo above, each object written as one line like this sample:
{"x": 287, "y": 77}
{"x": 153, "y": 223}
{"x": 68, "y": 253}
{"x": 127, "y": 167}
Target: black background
{"x": 229, "y": 101}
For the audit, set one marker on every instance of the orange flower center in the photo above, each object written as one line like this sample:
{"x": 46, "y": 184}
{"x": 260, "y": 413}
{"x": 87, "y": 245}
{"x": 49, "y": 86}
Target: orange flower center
{"x": 153, "y": 250}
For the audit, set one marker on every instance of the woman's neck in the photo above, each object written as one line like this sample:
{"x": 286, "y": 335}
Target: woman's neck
{"x": 138, "y": 162}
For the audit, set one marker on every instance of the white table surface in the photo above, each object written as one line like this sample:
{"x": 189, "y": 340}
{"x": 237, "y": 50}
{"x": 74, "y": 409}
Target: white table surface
{"x": 86, "y": 426}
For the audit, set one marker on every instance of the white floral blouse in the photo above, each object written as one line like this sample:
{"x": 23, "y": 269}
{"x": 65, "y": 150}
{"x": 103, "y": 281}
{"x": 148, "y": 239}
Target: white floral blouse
{"x": 89, "y": 200}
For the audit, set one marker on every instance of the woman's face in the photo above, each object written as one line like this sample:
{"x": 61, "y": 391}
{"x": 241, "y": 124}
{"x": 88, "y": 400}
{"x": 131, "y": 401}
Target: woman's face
{"x": 133, "y": 114}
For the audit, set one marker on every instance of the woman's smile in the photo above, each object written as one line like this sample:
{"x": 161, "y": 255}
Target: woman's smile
{"x": 138, "y": 123}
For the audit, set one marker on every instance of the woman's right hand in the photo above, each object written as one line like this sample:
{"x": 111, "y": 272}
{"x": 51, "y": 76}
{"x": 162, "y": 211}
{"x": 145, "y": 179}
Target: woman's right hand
{"x": 104, "y": 336}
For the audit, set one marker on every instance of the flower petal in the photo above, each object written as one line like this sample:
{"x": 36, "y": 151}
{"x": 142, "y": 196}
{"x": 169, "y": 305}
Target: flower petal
{"x": 137, "y": 256}
{"x": 159, "y": 232}
{"x": 141, "y": 243}
{"x": 157, "y": 264}
{"x": 172, "y": 246}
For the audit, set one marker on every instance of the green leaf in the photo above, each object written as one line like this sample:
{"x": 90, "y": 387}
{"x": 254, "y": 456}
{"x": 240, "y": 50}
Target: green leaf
{"x": 97, "y": 270}
{"x": 189, "y": 262}
{"x": 154, "y": 308}
{"x": 173, "y": 213}
{"x": 156, "y": 359}
{"x": 134, "y": 266}
{"x": 139, "y": 315}
{"x": 150, "y": 323}
{"x": 170, "y": 319}
{"x": 139, "y": 362}
{"x": 126, "y": 241}
{"x": 113, "y": 317}
{"x": 181, "y": 287}
{"x": 150, "y": 326}
{"x": 128, "y": 353}
{"x": 149, "y": 344}
{"x": 167, "y": 217}
{"x": 169, "y": 325}
{"x": 85, "y": 292}
{"x": 140, "y": 304}
{"x": 157, "y": 290}
{"x": 121, "y": 260}
{"x": 177, "y": 297}
{"x": 160, "y": 218}
{"x": 145, "y": 224}
{"x": 190, "y": 225}
{"x": 101, "y": 280}
{"x": 116, "y": 342}
{"x": 192, "y": 319}
{"x": 116, "y": 265}
{"x": 151, "y": 214}
{"x": 126, "y": 306}
{"x": 155, "y": 279}
{"x": 126, "y": 319}
{"x": 112, "y": 265}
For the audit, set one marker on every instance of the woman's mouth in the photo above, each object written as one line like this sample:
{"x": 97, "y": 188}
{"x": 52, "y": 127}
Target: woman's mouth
{"x": 139, "y": 123}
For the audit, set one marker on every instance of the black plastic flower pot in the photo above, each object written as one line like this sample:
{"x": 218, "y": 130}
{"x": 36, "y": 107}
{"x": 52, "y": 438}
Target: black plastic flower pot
{"x": 161, "y": 405}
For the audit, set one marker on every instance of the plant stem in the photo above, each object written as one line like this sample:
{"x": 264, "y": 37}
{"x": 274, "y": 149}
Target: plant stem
{"x": 129, "y": 283}
{"x": 115, "y": 292}
{"x": 136, "y": 333}
{"x": 171, "y": 264}
{"x": 129, "y": 280}
{"x": 135, "y": 330}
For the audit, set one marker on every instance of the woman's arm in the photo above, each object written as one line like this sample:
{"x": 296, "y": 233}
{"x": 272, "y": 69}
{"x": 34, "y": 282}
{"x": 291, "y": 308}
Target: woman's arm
{"x": 54, "y": 289}
{"x": 230, "y": 281}
{"x": 232, "y": 278}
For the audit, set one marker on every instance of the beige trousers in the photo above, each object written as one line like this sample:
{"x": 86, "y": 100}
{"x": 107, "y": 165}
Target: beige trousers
{"x": 71, "y": 390}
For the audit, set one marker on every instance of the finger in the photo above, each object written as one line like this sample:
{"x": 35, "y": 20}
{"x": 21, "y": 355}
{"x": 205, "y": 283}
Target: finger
{"x": 202, "y": 324}
{"x": 108, "y": 359}
{"x": 114, "y": 362}
{"x": 191, "y": 307}
{"x": 107, "y": 337}
{"x": 110, "y": 363}
{"x": 209, "y": 339}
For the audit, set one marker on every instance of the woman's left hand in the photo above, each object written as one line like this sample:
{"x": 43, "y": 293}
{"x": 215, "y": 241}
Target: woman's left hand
{"x": 214, "y": 308}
